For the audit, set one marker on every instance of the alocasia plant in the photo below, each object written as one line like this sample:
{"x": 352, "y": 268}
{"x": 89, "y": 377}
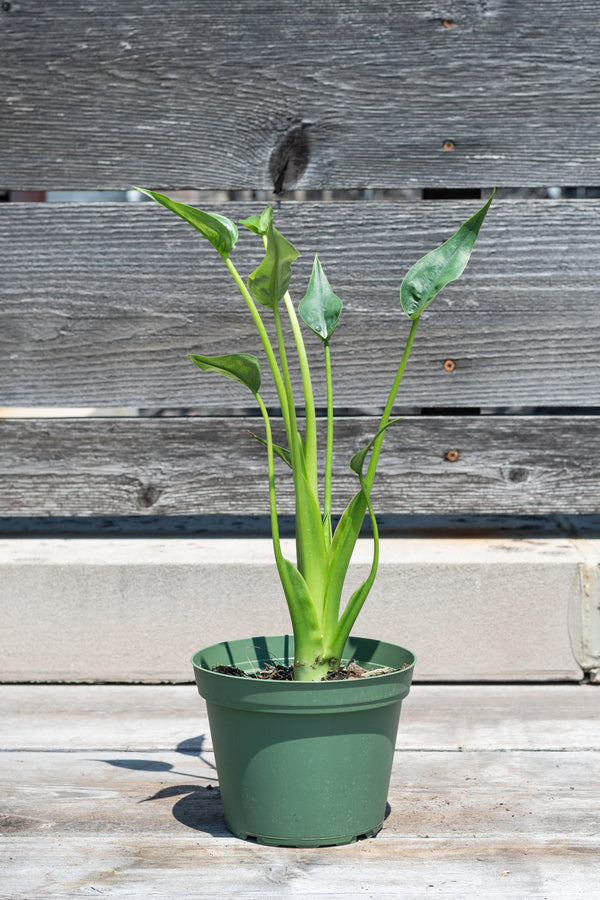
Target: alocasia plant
{"x": 313, "y": 584}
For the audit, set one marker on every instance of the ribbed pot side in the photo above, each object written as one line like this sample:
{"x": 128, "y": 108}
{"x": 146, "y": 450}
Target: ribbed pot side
{"x": 303, "y": 764}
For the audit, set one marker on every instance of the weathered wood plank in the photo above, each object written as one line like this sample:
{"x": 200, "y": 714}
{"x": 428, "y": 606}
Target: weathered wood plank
{"x": 98, "y": 791}
{"x": 101, "y": 304}
{"x": 359, "y": 94}
{"x": 519, "y": 823}
{"x": 172, "y": 866}
{"x": 128, "y": 818}
{"x": 175, "y": 466}
{"x": 132, "y": 718}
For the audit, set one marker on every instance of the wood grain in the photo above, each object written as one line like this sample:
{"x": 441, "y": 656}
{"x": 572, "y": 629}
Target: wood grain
{"x": 101, "y": 303}
{"x": 505, "y": 464}
{"x": 315, "y": 95}
{"x": 144, "y": 821}
{"x": 160, "y": 718}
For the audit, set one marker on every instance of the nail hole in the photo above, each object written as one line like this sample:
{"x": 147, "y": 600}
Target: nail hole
{"x": 452, "y": 455}
{"x": 448, "y": 145}
{"x": 449, "y": 365}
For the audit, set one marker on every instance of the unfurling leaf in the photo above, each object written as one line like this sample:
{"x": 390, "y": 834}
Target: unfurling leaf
{"x": 320, "y": 308}
{"x": 432, "y": 272}
{"x": 358, "y": 460}
{"x": 242, "y": 367}
{"x": 259, "y": 224}
{"x": 221, "y": 232}
{"x": 271, "y": 280}
{"x": 281, "y": 452}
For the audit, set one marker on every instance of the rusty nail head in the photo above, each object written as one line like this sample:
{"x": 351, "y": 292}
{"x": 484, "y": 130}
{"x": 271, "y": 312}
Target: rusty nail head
{"x": 452, "y": 455}
{"x": 448, "y": 23}
{"x": 449, "y": 365}
{"x": 448, "y": 145}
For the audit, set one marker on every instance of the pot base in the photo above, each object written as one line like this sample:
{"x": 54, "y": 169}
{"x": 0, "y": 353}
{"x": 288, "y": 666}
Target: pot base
{"x": 328, "y": 841}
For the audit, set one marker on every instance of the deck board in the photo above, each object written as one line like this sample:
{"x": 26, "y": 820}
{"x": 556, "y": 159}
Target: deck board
{"x": 112, "y": 790}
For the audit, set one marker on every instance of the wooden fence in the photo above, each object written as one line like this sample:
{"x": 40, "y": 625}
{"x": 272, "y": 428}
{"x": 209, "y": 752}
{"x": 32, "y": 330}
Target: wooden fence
{"x": 393, "y": 101}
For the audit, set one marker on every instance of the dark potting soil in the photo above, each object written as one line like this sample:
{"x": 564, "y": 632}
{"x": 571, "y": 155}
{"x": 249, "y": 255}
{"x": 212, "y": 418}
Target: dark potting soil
{"x": 278, "y": 672}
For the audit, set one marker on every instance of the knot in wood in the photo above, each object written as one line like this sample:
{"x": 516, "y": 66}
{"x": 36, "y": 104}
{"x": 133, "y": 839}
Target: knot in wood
{"x": 289, "y": 159}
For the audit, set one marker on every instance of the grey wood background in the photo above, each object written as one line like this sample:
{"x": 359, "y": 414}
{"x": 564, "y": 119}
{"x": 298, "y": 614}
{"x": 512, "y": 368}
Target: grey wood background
{"x": 100, "y": 303}
{"x": 347, "y": 93}
{"x": 81, "y": 467}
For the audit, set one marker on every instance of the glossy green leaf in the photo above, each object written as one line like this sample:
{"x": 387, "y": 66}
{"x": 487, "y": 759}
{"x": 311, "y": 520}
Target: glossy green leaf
{"x": 271, "y": 280}
{"x": 220, "y": 231}
{"x": 320, "y": 308}
{"x": 282, "y": 452}
{"x": 311, "y": 547}
{"x": 259, "y": 224}
{"x": 432, "y": 272}
{"x": 242, "y": 367}
{"x": 301, "y": 605}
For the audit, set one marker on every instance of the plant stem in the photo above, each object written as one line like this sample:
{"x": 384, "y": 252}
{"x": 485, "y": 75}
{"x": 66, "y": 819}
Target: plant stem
{"x": 327, "y": 502}
{"x": 287, "y": 381}
{"x": 356, "y": 601}
{"x": 308, "y": 642}
{"x": 310, "y": 449}
{"x": 389, "y": 405}
{"x": 271, "y": 471}
{"x": 348, "y": 530}
{"x": 262, "y": 331}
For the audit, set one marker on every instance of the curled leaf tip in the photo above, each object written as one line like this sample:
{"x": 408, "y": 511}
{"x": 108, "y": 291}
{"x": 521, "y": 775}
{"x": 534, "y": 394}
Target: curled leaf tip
{"x": 241, "y": 367}
{"x": 221, "y": 232}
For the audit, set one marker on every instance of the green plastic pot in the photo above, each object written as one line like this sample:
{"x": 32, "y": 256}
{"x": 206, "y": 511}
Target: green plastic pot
{"x": 303, "y": 764}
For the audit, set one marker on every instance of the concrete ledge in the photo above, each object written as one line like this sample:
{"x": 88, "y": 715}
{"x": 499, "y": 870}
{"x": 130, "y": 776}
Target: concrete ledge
{"x": 136, "y": 609}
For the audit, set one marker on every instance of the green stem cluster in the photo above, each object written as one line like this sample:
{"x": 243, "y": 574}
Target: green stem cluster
{"x": 313, "y": 587}
{"x": 314, "y": 584}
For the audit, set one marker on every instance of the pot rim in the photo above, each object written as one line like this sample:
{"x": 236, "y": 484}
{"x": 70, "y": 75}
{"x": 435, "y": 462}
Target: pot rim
{"x": 253, "y": 643}
{"x": 308, "y": 697}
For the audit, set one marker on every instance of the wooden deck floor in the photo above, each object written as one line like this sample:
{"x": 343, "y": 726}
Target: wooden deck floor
{"x": 112, "y": 791}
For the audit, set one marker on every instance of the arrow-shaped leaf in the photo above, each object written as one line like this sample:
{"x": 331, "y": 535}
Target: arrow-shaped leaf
{"x": 271, "y": 280}
{"x": 320, "y": 308}
{"x": 432, "y": 272}
{"x": 242, "y": 367}
{"x": 220, "y": 231}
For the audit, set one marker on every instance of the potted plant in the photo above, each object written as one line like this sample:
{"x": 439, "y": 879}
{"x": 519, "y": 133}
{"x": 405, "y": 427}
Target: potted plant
{"x": 303, "y": 753}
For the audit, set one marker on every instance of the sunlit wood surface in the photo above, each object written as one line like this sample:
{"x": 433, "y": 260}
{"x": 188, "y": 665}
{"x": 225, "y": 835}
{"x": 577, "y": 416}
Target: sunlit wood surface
{"x": 111, "y": 790}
